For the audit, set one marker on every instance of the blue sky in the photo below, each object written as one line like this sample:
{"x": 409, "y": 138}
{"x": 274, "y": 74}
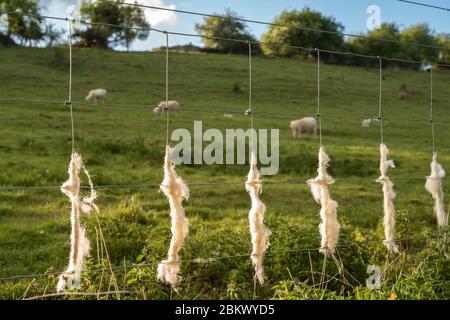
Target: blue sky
{"x": 351, "y": 13}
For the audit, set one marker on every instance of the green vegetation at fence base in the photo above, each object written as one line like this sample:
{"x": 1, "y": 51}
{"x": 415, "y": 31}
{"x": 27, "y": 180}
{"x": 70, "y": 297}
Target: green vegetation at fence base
{"x": 126, "y": 145}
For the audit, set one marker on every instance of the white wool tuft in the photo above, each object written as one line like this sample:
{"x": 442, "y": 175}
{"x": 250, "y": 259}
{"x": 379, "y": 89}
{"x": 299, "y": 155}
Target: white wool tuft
{"x": 259, "y": 233}
{"x": 175, "y": 190}
{"x": 329, "y": 228}
{"x": 434, "y": 186}
{"x": 79, "y": 243}
{"x": 388, "y": 199}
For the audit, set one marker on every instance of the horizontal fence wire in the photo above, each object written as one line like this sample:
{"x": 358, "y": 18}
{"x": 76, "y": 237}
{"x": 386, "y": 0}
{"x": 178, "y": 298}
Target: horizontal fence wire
{"x": 205, "y": 260}
{"x": 131, "y": 292}
{"x": 218, "y": 183}
{"x": 225, "y": 111}
{"x": 246, "y": 42}
{"x": 424, "y": 5}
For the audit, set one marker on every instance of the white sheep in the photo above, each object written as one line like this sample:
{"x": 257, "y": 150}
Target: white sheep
{"x": 97, "y": 95}
{"x": 173, "y": 105}
{"x": 306, "y": 125}
{"x": 366, "y": 123}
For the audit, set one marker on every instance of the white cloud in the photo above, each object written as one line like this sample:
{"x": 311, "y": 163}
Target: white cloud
{"x": 158, "y": 17}
{"x": 49, "y": 3}
{"x": 155, "y": 17}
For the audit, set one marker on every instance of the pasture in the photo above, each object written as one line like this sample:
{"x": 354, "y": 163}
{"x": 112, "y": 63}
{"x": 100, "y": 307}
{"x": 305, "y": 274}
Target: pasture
{"x": 124, "y": 145}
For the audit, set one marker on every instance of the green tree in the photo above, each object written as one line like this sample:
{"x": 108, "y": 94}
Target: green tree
{"x": 24, "y": 29}
{"x": 443, "y": 40}
{"x": 419, "y": 33}
{"x": 375, "y": 47}
{"x": 131, "y": 17}
{"x": 53, "y": 35}
{"x": 214, "y": 28}
{"x": 4, "y": 39}
{"x": 104, "y": 36}
{"x": 289, "y": 29}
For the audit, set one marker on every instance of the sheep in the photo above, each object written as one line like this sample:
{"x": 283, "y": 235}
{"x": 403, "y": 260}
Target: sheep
{"x": 97, "y": 95}
{"x": 173, "y": 105}
{"x": 366, "y": 123}
{"x": 403, "y": 95}
{"x": 306, "y": 125}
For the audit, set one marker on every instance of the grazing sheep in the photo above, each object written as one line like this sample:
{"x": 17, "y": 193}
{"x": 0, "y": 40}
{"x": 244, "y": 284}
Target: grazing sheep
{"x": 366, "y": 123}
{"x": 306, "y": 125}
{"x": 173, "y": 105}
{"x": 97, "y": 95}
{"x": 403, "y": 95}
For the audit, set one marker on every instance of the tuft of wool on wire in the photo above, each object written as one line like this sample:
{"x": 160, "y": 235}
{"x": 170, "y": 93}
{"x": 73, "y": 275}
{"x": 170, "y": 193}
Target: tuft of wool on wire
{"x": 329, "y": 228}
{"x": 434, "y": 186}
{"x": 388, "y": 199}
{"x": 80, "y": 245}
{"x": 259, "y": 233}
{"x": 175, "y": 190}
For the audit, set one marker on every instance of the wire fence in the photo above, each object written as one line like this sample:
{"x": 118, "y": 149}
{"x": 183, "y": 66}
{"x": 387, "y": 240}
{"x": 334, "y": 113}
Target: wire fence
{"x": 291, "y": 26}
{"x": 354, "y": 116}
{"x": 205, "y": 260}
{"x": 261, "y": 43}
{"x": 204, "y": 184}
{"x": 70, "y": 103}
{"x": 424, "y": 5}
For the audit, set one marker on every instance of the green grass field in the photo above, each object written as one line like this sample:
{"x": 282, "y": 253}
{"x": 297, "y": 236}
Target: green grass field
{"x": 124, "y": 145}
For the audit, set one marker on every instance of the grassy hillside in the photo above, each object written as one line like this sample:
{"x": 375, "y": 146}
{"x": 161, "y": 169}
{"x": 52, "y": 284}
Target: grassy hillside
{"x": 125, "y": 145}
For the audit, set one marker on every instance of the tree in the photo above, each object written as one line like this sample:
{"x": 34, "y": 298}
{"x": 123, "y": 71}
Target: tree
{"x": 399, "y": 47}
{"x": 5, "y": 40}
{"x": 443, "y": 40}
{"x": 227, "y": 26}
{"x": 287, "y": 29}
{"x": 419, "y": 33}
{"x": 132, "y": 16}
{"x": 374, "y": 47}
{"x": 52, "y": 35}
{"x": 99, "y": 12}
{"x": 23, "y": 28}
{"x": 103, "y": 36}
